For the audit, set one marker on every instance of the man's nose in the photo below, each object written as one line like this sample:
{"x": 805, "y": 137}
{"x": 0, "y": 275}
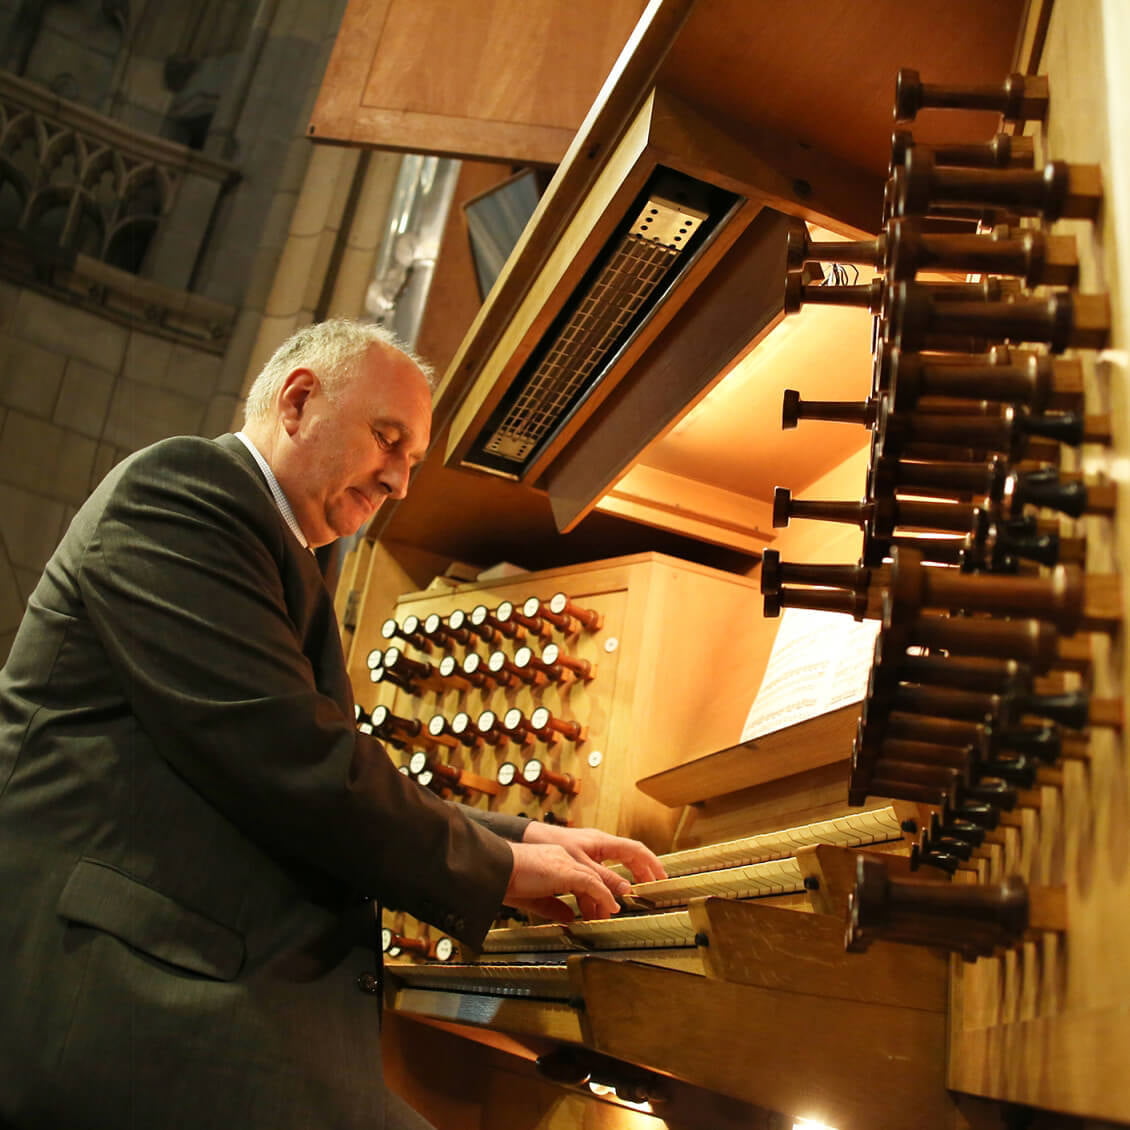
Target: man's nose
{"x": 394, "y": 477}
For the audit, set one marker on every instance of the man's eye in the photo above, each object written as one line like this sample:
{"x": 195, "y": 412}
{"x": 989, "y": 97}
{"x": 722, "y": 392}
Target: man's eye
{"x": 383, "y": 440}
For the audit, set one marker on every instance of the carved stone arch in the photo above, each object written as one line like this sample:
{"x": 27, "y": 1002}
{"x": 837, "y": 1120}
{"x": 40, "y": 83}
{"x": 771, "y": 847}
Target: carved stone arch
{"x": 23, "y": 125}
{"x": 145, "y": 191}
{"x": 62, "y": 144}
{"x": 101, "y": 161}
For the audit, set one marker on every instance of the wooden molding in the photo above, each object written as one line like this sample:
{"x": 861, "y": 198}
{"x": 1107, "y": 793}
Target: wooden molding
{"x": 431, "y": 78}
{"x": 660, "y": 498}
{"x": 825, "y": 740}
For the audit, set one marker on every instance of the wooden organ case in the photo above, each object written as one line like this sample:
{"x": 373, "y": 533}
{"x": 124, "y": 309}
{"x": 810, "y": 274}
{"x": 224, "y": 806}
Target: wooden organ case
{"x": 714, "y": 979}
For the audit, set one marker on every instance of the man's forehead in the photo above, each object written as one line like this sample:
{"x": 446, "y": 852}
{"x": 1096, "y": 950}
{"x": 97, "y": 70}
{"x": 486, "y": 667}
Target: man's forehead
{"x": 397, "y": 377}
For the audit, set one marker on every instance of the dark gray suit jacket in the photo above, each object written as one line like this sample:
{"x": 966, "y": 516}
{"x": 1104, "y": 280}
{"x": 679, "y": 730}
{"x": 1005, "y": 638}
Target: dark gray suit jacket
{"x": 189, "y": 824}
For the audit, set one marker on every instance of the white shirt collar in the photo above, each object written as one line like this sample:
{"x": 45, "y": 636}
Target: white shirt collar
{"x": 276, "y": 491}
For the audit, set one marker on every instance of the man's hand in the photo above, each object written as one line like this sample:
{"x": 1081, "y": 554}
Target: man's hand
{"x": 599, "y": 847}
{"x": 554, "y": 860}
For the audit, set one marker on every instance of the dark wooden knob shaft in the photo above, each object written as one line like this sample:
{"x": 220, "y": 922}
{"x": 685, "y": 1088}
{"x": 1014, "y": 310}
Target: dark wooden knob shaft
{"x": 857, "y": 605}
{"x": 561, "y": 605}
{"x": 794, "y": 409}
{"x": 1030, "y": 641}
{"x": 489, "y": 726}
{"x": 1058, "y": 191}
{"x": 409, "y": 631}
{"x": 1020, "y": 98}
{"x": 476, "y": 670}
{"x": 501, "y": 666}
{"x": 449, "y": 672}
{"x": 1032, "y": 257}
{"x": 1061, "y": 320}
{"x": 396, "y": 660}
{"x": 389, "y": 725}
{"x": 555, "y": 659}
{"x": 535, "y": 776}
{"x": 443, "y": 634}
{"x": 507, "y": 612}
{"x": 1003, "y": 151}
{"x": 775, "y": 573}
{"x": 545, "y": 725}
{"x": 464, "y": 731}
{"x": 525, "y": 659}
{"x": 801, "y": 249}
{"x": 482, "y": 616}
{"x": 392, "y": 943}
{"x": 1035, "y": 381}
{"x": 1059, "y": 598}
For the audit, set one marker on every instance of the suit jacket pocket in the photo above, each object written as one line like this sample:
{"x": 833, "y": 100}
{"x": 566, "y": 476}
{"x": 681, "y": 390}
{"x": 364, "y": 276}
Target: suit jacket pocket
{"x": 99, "y": 895}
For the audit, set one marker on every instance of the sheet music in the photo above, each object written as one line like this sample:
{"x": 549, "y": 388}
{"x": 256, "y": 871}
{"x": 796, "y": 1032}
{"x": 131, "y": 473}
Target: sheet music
{"x": 819, "y": 662}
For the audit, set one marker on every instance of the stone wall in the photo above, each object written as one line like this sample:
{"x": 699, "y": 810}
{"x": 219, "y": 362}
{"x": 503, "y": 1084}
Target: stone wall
{"x": 78, "y": 391}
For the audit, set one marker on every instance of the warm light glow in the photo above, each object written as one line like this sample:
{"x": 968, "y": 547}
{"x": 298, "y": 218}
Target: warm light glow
{"x": 606, "y": 1092}
{"x": 810, "y": 1124}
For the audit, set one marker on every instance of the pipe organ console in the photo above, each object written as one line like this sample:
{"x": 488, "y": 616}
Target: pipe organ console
{"x": 967, "y": 913}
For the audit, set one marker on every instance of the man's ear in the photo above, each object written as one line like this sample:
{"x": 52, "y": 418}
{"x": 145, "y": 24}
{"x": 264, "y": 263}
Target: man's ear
{"x": 294, "y": 396}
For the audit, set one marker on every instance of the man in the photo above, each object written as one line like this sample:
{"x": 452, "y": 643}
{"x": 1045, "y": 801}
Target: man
{"x": 190, "y": 825}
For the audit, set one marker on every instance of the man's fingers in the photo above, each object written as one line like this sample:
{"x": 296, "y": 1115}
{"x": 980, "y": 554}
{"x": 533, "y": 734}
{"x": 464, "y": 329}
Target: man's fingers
{"x": 544, "y": 870}
{"x": 641, "y": 861}
{"x": 615, "y": 883}
{"x": 594, "y": 898}
{"x": 590, "y": 909}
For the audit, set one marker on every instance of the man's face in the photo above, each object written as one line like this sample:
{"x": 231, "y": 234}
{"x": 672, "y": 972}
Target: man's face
{"x": 351, "y": 453}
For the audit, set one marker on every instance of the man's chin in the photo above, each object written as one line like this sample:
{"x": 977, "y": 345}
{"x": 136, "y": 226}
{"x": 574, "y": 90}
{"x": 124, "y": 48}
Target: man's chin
{"x": 347, "y": 527}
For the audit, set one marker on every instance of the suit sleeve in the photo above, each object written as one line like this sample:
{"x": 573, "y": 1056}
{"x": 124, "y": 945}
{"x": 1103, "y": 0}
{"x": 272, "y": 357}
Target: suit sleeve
{"x": 183, "y": 581}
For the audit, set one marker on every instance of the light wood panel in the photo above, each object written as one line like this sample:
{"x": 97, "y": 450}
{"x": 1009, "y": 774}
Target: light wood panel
{"x": 808, "y": 745}
{"x": 824, "y": 73}
{"x": 824, "y": 353}
{"x": 699, "y": 509}
{"x": 487, "y": 520}
{"x": 505, "y": 80}
{"x": 753, "y": 944}
{"x": 843, "y": 1063}
{"x": 392, "y": 568}
{"x": 658, "y": 698}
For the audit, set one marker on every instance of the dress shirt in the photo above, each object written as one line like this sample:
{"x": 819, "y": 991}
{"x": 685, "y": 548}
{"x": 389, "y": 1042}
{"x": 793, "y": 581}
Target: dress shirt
{"x": 276, "y": 491}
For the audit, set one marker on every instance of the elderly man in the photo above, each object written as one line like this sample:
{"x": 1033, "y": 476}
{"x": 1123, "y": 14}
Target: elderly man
{"x": 191, "y": 829}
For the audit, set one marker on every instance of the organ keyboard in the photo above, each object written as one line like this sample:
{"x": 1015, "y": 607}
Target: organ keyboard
{"x": 716, "y": 969}
{"x": 528, "y": 960}
{"x": 854, "y": 830}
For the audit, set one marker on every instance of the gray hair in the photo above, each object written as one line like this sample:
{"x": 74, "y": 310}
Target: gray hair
{"x": 332, "y": 348}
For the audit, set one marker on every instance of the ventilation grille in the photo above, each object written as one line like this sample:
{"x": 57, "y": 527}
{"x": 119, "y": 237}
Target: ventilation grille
{"x": 634, "y": 270}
